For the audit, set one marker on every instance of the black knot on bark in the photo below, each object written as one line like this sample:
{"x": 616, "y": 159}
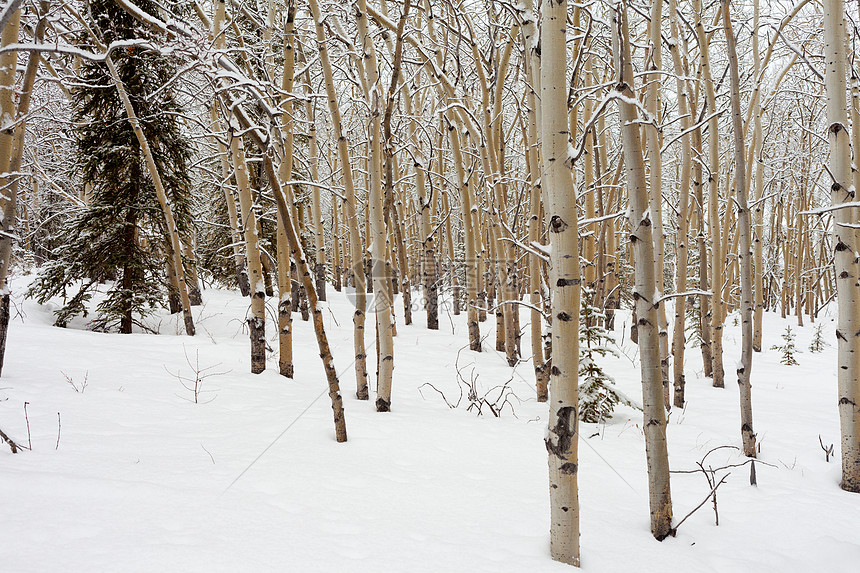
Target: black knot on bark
{"x": 568, "y": 468}
{"x": 840, "y": 246}
{"x": 564, "y": 431}
{"x": 646, "y": 220}
{"x": 836, "y": 127}
{"x": 566, "y": 282}
{"x": 557, "y": 224}
{"x": 564, "y": 317}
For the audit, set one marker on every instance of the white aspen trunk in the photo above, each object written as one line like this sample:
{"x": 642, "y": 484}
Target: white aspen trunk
{"x": 589, "y": 247}
{"x": 759, "y": 189}
{"x": 744, "y": 247}
{"x": 313, "y": 302}
{"x": 682, "y": 236}
{"x": 10, "y": 154}
{"x": 428, "y": 248}
{"x": 335, "y": 244}
{"x": 563, "y": 434}
{"x": 319, "y": 236}
{"x": 532, "y": 65}
{"x": 394, "y": 208}
{"x": 351, "y": 219}
{"x": 644, "y": 293}
{"x": 8, "y": 66}
{"x": 472, "y": 276}
{"x": 654, "y": 64}
{"x": 377, "y": 240}
{"x": 845, "y": 239}
{"x": 713, "y": 203}
{"x": 257, "y": 320}
{"x": 285, "y": 295}
{"x": 226, "y": 171}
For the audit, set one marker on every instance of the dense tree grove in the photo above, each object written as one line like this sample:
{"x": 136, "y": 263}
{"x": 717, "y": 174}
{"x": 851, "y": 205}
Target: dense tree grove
{"x": 692, "y": 163}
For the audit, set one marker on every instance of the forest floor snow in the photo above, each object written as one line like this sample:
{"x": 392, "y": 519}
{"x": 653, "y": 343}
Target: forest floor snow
{"x": 129, "y": 474}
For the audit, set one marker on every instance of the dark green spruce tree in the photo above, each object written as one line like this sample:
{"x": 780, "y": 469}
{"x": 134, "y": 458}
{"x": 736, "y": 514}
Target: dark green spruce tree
{"x": 598, "y": 394}
{"x": 119, "y": 237}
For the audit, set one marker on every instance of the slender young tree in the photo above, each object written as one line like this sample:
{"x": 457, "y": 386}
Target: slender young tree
{"x": 377, "y": 238}
{"x": 713, "y": 174}
{"x": 682, "y": 237}
{"x": 744, "y": 247}
{"x": 355, "y": 245}
{"x": 644, "y": 291}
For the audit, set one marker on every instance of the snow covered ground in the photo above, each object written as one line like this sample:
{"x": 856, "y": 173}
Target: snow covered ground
{"x": 141, "y": 478}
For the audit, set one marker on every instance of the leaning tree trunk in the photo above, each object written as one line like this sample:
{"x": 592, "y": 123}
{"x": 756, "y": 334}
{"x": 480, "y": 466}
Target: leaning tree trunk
{"x": 845, "y": 238}
{"x": 351, "y": 219}
{"x": 563, "y": 435}
{"x": 172, "y": 229}
{"x": 644, "y": 292}
{"x": 744, "y": 247}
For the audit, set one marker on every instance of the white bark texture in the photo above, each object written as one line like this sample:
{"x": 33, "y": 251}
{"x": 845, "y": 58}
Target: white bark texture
{"x": 563, "y": 434}
{"x": 744, "y": 247}
{"x": 644, "y": 290}
{"x": 845, "y": 239}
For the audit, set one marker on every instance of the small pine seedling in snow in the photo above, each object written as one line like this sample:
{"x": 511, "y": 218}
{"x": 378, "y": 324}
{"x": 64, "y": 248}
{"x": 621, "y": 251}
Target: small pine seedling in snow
{"x": 788, "y": 348}
{"x": 817, "y": 344}
{"x": 598, "y": 395}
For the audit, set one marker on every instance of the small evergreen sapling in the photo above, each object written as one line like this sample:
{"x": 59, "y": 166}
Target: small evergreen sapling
{"x": 788, "y": 349}
{"x": 598, "y": 395}
{"x": 817, "y": 344}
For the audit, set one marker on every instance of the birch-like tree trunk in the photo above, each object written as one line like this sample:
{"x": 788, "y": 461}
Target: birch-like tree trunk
{"x": 644, "y": 291}
{"x": 654, "y": 65}
{"x": 11, "y": 153}
{"x": 682, "y": 236}
{"x": 351, "y": 220}
{"x": 713, "y": 201}
{"x": 845, "y": 239}
{"x": 744, "y": 247}
{"x": 532, "y": 65}
{"x": 378, "y": 237}
{"x": 758, "y": 235}
{"x": 563, "y": 435}
{"x": 218, "y": 41}
{"x": 285, "y": 169}
{"x": 257, "y": 320}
